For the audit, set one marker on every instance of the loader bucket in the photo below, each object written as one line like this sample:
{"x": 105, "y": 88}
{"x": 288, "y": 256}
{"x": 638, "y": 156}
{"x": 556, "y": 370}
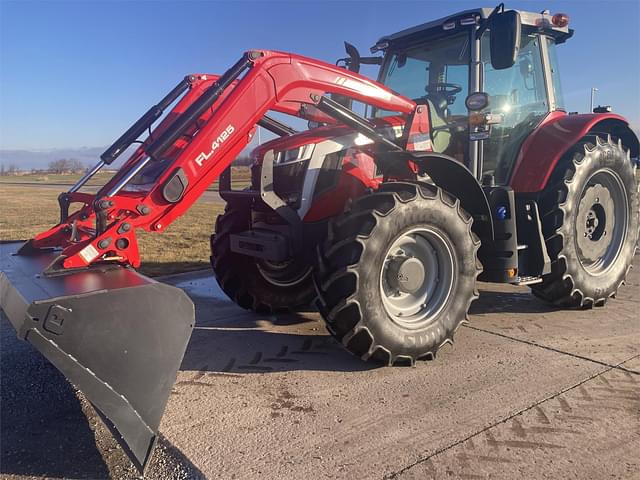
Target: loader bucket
{"x": 117, "y": 335}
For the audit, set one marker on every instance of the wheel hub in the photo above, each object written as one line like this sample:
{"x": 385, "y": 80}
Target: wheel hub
{"x": 592, "y": 223}
{"x": 596, "y": 212}
{"x": 417, "y": 277}
{"x": 406, "y": 274}
{"x": 601, "y": 221}
{"x": 283, "y": 274}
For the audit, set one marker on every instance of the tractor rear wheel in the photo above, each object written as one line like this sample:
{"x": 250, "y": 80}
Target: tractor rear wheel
{"x": 253, "y": 283}
{"x": 397, "y": 273}
{"x": 590, "y": 222}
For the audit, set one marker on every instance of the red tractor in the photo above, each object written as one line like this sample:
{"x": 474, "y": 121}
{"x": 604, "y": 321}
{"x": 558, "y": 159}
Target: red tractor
{"x": 461, "y": 164}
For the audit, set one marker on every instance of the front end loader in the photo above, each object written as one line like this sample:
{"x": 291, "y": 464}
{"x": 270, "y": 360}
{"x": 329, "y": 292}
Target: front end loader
{"x": 73, "y": 291}
{"x": 461, "y": 165}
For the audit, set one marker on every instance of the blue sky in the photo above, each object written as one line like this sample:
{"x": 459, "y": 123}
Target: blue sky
{"x": 79, "y": 73}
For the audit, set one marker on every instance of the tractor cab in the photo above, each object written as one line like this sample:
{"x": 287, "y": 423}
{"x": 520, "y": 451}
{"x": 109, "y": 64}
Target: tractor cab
{"x": 488, "y": 76}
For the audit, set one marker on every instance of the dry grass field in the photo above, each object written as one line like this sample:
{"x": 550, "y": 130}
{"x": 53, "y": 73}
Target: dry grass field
{"x": 184, "y": 246}
{"x": 241, "y": 177}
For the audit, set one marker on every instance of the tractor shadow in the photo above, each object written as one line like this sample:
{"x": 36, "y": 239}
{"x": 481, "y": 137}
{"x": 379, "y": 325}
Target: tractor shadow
{"x": 153, "y": 269}
{"x": 250, "y": 343}
{"x": 507, "y": 299}
{"x": 231, "y": 341}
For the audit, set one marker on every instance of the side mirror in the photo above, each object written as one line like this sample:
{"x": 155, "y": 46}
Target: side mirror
{"x": 354, "y": 57}
{"x": 504, "y": 39}
{"x": 354, "y": 60}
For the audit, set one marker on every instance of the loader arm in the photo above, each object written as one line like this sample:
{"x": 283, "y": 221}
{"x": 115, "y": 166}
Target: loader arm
{"x": 117, "y": 335}
{"x": 201, "y": 136}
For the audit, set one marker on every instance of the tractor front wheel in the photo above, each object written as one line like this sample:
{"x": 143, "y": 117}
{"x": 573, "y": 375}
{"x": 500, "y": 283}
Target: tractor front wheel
{"x": 590, "y": 222}
{"x": 253, "y": 283}
{"x": 397, "y": 273}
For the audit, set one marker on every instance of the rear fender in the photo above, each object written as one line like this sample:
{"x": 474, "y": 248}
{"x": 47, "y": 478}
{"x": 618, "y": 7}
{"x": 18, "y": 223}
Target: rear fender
{"x": 543, "y": 149}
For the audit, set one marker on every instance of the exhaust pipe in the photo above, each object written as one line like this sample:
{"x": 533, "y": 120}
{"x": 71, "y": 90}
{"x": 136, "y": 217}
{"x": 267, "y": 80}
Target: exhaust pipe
{"x": 116, "y": 335}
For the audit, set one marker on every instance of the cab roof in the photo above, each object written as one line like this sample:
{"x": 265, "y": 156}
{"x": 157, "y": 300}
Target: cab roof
{"x": 540, "y": 20}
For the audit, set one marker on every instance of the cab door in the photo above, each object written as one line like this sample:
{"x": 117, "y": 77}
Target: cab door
{"x": 518, "y": 95}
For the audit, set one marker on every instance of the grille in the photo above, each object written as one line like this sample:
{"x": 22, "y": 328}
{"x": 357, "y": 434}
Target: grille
{"x": 288, "y": 180}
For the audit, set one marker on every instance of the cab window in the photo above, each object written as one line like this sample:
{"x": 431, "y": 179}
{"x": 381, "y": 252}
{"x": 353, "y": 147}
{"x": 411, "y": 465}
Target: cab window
{"x": 518, "y": 95}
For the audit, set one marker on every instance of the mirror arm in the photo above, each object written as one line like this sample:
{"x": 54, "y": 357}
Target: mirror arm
{"x": 483, "y": 27}
{"x": 371, "y": 60}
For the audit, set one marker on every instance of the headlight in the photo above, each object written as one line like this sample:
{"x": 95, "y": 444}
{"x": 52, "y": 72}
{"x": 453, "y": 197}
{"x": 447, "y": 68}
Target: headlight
{"x": 297, "y": 154}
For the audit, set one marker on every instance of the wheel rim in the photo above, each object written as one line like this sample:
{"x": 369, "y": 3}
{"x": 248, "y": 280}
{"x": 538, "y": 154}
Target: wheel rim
{"x": 601, "y": 221}
{"x": 283, "y": 274}
{"x": 417, "y": 277}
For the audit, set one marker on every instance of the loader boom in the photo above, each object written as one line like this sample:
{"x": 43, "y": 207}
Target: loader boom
{"x": 199, "y": 138}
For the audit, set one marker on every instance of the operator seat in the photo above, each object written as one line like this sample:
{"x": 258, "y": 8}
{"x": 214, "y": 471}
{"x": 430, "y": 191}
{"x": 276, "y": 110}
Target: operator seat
{"x": 438, "y": 113}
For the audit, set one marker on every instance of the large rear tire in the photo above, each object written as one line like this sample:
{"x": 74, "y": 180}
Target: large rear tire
{"x": 252, "y": 283}
{"x": 397, "y": 273}
{"x": 590, "y": 222}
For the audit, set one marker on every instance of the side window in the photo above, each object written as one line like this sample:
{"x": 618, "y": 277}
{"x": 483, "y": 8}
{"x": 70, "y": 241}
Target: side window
{"x": 519, "y": 90}
{"x": 519, "y": 95}
{"x": 555, "y": 73}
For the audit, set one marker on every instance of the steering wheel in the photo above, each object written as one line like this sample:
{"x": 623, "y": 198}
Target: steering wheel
{"x": 448, "y": 89}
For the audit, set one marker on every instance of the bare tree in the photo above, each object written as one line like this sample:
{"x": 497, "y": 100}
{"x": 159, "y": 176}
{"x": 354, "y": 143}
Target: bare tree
{"x": 76, "y": 165}
{"x": 66, "y": 165}
{"x": 57, "y": 166}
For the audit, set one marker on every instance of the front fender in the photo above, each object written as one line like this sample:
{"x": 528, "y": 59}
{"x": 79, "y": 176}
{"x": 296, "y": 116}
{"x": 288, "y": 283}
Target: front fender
{"x": 457, "y": 180}
{"x": 542, "y": 150}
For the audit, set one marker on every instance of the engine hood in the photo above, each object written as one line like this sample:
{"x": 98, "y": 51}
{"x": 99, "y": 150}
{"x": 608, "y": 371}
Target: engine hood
{"x": 319, "y": 134}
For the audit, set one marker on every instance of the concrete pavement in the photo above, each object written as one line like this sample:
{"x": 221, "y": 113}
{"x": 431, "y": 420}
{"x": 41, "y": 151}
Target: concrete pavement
{"x": 526, "y": 391}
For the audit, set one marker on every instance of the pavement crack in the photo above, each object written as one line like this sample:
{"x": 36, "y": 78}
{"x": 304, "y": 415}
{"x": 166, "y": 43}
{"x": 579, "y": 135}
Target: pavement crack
{"x": 579, "y": 384}
{"x": 552, "y": 349}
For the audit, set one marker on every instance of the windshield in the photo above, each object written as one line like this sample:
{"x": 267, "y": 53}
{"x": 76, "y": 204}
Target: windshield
{"x": 423, "y": 71}
{"x": 436, "y": 73}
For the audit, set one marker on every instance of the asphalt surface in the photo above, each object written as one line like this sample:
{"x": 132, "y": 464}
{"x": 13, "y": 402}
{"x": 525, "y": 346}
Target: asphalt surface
{"x": 527, "y": 391}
